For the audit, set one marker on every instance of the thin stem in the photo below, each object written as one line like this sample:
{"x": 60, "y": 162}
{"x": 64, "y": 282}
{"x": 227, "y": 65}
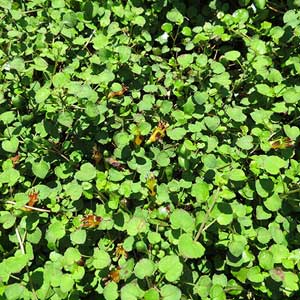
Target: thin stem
{"x": 89, "y": 39}
{"x": 30, "y": 207}
{"x": 21, "y": 244}
{"x": 205, "y": 219}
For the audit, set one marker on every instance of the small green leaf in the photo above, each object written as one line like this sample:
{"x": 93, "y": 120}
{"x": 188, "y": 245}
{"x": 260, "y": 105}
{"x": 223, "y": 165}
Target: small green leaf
{"x": 245, "y": 142}
{"x": 7, "y": 5}
{"x": 40, "y": 169}
{"x": 65, "y": 118}
{"x": 66, "y": 283}
{"x": 144, "y": 268}
{"x": 101, "y": 259}
{"x": 263, "y": 235}
{"x": 170, "y": 292}
{"x": 232, "y": 55}
{"x": 10, "y": 176}
{"x": 136, "y": 225}
{"x": 273, "y": 203}
{"x": 42, "y": 94}
{"x": 14, "y": 291}
{"x": 7, "y": 220}
{"x": 11, "y": 145}
{"x": 265, "y": 259}
{"x": 175, "y": 16}
{"x": 131, "y": 291}
{"x": 291, "y": 95}
{"x": 110, "y": 291}
{"x": 171, "y": 266}
{"x": 185, "y": 60}
{"x": 176, "y": 134}
{"x": 254, "y": 275}
{"x": 58, "y": 3}
{"x": 78, "y": 237}
{"x": 106, "y": 76}
{"x": 273, "y": 164}
{"x": 151, "y": 294}
{"x": 189, "y": 248}
{"x": 182, "y": 219}
{"x": 162, "y": 159}
{"x": 236, "y": 114}
{"x": 200, "y": 190}
{"x": 212, "y": 123}
{"x": 124, "y": 53}
{"x": 87, "y": 172}
{"x": 55, "y": 232}
{"x": 237, "y": 175}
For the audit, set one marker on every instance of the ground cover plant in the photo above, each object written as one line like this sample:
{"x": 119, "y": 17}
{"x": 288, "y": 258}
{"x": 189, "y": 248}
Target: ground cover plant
{"x": 149, "y": 149}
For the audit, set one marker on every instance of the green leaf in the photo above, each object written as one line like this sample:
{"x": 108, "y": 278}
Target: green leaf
{"x": 273, "y": 203}
{"x": 10, "y": 176}
{"x": 74, "y": 190}
{"x": 237, "y": 175}
{"x": 65, "y": 118}
{"x": 40, "y": 64}
{"x": 7, "y": 219}
{"x": 189, "y": 248}
{"x": 151, "y": 294}
{"x": 10, "y": 145}
{"x": 78, "y": 237}
{"x": 245, "y": 142}
{"x": 7, "y": 5}
{"x": 291, "y": 18}
{"x": 265, "y": 259}
{"x": 263, "y": 235}
{"x": 40, "y": 169}
{"x": 7, "y": 117}
{"x": 212, "y": 123}
{"x": 121, "y": 139}
{"x": 58, "y": 3}
{"x": 144, "y": 268}
{"x": 55, "y": 232}
{"x": 124, "y": 53}
{"x": 110, "y": 291}
{"x": 136, "y": 225}
{"x": 14, "y": 291}
{"x": 42, "y": 94}
{"x": 291, "y": 281}
{"x": 170, "y": 292}
{"x": 236, "y": 114}
{"x": 200, "y": 190}
{"x": 265, "y": 90}
{"x": 101, "y": 259}
{"x": 185, "y": 60}
{"x": 87, "y": 172}
{"x": 66, "y": 283}
{"x": 171, "y": 266}
{"x": 291, "y": 95}
{"x": 131, "y": 291}
{"x": 18, "y": 64}
{"x": 232, "y": 55}
{"x": 106, "y": 77}
{"x": 273, "y": 164}
{"x": 176, "y": 134}
{"x": 162, "y": 159}
{"x": 254, "y": 275}
{"x": 237, "y": 245}
{"x": 183, "y": 220}
{"x": 291, "y": 131}
{"x": 175, "y": 16}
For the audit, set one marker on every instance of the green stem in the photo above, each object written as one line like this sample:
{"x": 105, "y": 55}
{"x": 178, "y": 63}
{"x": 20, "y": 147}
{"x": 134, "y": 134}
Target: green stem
{"x": 205, "y": 219}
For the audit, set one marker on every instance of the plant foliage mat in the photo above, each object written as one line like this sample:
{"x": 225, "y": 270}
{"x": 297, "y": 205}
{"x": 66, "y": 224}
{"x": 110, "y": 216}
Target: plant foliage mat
{"x": 149, "y": 149}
